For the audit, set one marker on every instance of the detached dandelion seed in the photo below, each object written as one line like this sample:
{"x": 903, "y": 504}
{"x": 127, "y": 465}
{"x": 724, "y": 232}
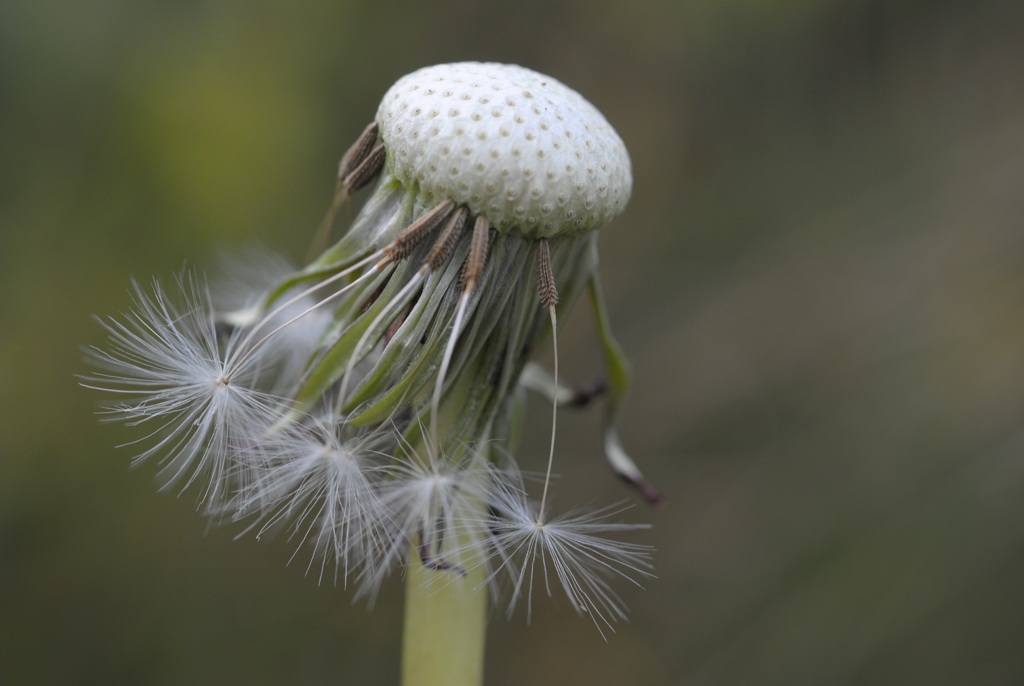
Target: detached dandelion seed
{"x": 364, "y": 402}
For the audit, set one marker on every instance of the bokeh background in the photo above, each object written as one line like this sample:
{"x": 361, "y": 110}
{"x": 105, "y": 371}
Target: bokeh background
{"x": 820, "y": 280}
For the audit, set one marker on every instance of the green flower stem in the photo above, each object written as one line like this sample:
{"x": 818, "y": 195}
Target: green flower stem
{"x": 445, "y": 626}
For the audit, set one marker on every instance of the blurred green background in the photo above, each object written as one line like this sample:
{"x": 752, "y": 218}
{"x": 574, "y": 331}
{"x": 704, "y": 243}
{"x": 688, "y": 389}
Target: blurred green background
{"x": 820, "y": 280}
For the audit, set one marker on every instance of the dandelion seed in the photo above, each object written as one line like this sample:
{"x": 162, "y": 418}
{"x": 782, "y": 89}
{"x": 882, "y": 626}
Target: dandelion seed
{"x": 573, "y": 549}
{"x": 165, "y": 361}
{"x": 435, "y": 501}
{"x": 321, "y": 485}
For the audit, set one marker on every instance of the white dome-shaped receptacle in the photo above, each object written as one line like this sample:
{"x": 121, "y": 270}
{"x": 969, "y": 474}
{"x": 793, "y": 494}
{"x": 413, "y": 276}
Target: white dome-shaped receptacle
{"x": 521, "y": 148}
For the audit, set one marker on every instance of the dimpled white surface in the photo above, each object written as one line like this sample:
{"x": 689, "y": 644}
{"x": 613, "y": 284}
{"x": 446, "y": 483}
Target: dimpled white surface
{"x": 517, "y": 146}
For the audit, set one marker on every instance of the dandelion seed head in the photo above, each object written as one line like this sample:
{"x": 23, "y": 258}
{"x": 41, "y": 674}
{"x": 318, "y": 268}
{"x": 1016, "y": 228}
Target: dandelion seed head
{"x": 359, "y": 405}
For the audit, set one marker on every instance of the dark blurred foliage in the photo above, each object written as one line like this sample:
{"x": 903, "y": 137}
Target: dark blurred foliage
{"x": 820, "y": 280}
